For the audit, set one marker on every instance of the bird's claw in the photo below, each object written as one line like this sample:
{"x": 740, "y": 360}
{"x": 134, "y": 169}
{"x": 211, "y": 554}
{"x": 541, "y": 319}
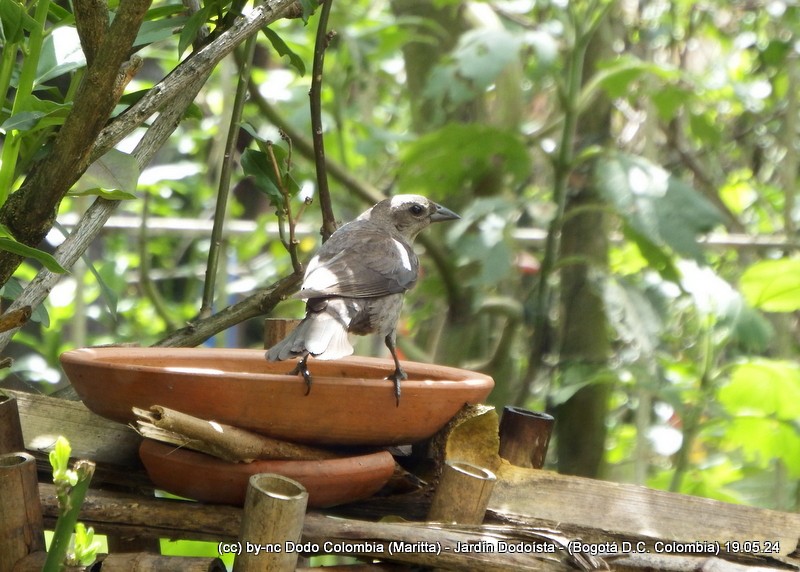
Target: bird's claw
{"x": 302, "y": 369}
{"x": 397, "y": 376}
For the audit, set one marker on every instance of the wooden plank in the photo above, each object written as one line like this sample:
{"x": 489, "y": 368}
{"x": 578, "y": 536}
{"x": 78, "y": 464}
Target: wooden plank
{"x": 629, "y": 511}
{"x": 91, "y": 437}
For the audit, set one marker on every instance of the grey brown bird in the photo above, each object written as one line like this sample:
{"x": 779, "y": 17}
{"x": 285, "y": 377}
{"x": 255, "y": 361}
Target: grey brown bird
{"x": 356, "y": 283}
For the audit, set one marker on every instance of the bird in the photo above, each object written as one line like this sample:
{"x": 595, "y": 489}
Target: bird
{"x": 356, "y": 282}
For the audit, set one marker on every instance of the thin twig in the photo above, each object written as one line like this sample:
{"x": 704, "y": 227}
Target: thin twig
{"x": 291, "y": 243}
{"x": 315, "y": 94}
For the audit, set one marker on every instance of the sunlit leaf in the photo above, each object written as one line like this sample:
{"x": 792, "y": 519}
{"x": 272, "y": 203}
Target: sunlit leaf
{"x": 113, "y": 176}
{"x": 9, "y": 243}
{"x": 763, "y": 387}
{"x": 658, "y": 206}
{"x": 258, "y": 165}
{"x": 773, "y": 285}
{"x": 61, "y": 53}
{"x": 14, "y": 20}
{"x": 193, "y": 25}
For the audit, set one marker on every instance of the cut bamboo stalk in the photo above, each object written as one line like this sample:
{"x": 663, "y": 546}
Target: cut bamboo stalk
{"x": 10, "y": 428}
{"x": 525, "y": 436}
{"x": 217, "y": 439}
{"x": 274, "y": 510}
{"x": 21, "y": 528}
{"x": 463, "y": 494}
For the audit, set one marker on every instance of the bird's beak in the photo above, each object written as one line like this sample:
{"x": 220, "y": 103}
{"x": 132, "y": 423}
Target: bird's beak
{"x": 442, "y": 213}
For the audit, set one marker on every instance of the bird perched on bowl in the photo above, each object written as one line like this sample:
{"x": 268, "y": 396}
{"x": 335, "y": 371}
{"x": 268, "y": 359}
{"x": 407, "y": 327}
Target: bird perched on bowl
{"x": 356, "y": 283}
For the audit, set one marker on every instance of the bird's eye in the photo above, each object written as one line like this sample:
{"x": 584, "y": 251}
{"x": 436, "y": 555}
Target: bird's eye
{"x": 416, "y": 209}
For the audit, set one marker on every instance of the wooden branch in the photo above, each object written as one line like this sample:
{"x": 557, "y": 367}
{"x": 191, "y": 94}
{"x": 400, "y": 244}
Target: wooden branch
{"x": 258, "y": 304}
{"x": 199, "y": 63}
{"x": 217, "y": 439}
{"x": 133, "y": 562}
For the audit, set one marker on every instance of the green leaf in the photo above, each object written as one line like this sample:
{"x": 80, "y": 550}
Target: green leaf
{"x": 284, "y": 50}
{"x": 192, "y": 26}
{"x": 660, "y": 207}
{"x": 763, "y": 387}
{"x": 61, "y": 53}
{"x": 763, "y": 439}
{"x": 23, "y": 121}
{"x": 458, "y": 156}
{"x": 308, "y": 9}
{"x": 258, "y": 165}
{"x": 11, "y": 244}
{"x": 773, "y": 285}
{"x": 14, "y": 20}
{"x": 113, "y": 176}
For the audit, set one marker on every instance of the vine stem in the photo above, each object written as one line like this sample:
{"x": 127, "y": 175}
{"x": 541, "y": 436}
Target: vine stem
{"x": 323, "y": 38}
{"x": 226, "y": 173}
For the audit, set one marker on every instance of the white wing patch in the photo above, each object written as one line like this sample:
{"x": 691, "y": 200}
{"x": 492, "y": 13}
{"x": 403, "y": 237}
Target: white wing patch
{"x": 401, "y": 250}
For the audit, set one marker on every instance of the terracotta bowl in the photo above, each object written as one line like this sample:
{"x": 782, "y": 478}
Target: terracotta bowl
{"x": 350, "y": 402}
{"x": 202, "y": 477}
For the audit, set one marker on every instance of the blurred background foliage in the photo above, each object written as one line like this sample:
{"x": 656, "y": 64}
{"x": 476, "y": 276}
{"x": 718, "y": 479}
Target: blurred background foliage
{"x": 625, "y": 173}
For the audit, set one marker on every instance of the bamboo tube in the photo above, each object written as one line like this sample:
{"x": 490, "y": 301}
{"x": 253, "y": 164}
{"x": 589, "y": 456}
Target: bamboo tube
{"x": 275, "y": 329}
{"x": 463, "y": 494}
{"x": 10, "y": 429}
{"x": 274, "y": 510}
{"x": 525, "y": 436}
{"x": 134, "y": 562}
{"x": 21, "y": 528}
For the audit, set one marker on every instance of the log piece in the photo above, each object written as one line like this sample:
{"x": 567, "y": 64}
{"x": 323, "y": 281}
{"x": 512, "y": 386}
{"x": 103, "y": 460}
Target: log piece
{"x": 217, "y": 439}
{"x": 133, "y": 562}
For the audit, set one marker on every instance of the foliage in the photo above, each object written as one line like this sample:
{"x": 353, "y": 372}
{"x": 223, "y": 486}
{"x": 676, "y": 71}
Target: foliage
{"x": 704, "y": 104}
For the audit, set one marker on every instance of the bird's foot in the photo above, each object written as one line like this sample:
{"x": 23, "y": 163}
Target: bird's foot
{"x": 398, "y": 376}
{"x": 302, "y": 369}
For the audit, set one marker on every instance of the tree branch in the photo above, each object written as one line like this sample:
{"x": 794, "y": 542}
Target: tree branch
{"x": 315, "y": 94}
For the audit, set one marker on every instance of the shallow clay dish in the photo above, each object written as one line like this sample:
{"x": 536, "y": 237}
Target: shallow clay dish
{"x": 202, "y": 477}
{"x": 350, "y": 402}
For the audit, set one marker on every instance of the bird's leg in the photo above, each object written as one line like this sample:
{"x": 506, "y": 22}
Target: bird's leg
{"x": 398, "y": 374}
{"x": 302, "y": 369}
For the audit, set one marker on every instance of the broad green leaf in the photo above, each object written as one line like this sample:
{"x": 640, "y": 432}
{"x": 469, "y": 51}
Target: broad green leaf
{"x": 633, "y": 317}
{"x": 23, "y": 121}
{"x": 458, "y": 156}
{"x": 308, "y": 9}
{"x": 763, "y": 387}
{"x": 113, "y": 176}
{"x": 763, "y": 439}
{"x": 284, "y": 50}
{"x": 615, "y": 78}
{"x": 660, "y": 207}
{"x": 11, "y": 291}
{"x": 773, "y": 285}
{"x": 9, "y": 243}
{"x": 61, "y": 53}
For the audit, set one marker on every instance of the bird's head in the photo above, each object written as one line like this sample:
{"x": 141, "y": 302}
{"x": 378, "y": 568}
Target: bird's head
{"x": 408, "y": 214}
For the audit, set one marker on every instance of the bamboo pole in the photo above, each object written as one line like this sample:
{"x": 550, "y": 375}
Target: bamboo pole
{"x": 463, "y": 494}
{"x": 274, "y": 509}
{"x": 21, "y": 528}
{"x": 525, "y": 436}
{"x": 10, "y": 428}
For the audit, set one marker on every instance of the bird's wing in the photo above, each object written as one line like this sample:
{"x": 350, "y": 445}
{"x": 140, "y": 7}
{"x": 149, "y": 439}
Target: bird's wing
{"x": 359, "y": 261}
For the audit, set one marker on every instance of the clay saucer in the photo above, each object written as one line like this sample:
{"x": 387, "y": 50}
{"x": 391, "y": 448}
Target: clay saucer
{"x": 201, "y": 477}
{"x": 350, "y": 403}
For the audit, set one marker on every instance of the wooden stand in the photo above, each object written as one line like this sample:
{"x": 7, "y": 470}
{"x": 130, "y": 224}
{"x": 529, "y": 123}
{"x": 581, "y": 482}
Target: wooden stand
{"x": 21, "y": 528}
{"x": 275, "y": 329}
{"x": 525, "y": 437}
{"x": 274, "y": 510}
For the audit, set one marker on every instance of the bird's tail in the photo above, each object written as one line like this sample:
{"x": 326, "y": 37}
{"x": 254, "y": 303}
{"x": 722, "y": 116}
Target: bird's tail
{"x": 322, "y": 333}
